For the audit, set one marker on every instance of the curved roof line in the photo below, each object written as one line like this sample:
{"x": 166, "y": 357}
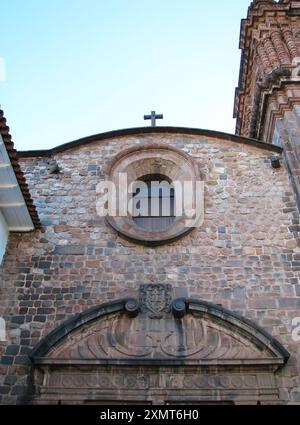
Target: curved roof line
{"x": 246, "y": 327}
{"x": 149, "y": 130}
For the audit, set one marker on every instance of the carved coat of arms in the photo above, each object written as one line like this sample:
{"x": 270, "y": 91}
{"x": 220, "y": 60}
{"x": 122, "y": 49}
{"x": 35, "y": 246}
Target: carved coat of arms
{"x": 155, "y": 300}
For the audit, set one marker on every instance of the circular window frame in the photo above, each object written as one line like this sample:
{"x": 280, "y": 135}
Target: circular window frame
{"x": 152, "y": 159}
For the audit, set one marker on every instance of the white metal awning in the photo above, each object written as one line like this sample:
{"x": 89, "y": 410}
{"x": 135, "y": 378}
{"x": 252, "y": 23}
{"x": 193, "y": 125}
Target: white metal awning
{"x": 12, "y": 203}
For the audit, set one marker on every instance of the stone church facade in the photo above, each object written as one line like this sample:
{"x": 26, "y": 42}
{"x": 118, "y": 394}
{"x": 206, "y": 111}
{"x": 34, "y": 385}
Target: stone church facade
{"x": 103, "y": 310}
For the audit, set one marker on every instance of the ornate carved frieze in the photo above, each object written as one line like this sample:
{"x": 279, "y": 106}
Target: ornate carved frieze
{"x": 168, "y": 379}
{"x": 99, "y": 380}
{"x": 160, "y": 385}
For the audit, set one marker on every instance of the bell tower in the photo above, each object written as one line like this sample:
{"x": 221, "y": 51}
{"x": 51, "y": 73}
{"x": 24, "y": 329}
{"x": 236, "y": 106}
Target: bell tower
{"x": 267, "y": 99}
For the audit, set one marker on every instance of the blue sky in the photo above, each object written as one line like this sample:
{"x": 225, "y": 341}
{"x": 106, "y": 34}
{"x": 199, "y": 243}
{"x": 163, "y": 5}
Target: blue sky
{"x": 79, "y": 67}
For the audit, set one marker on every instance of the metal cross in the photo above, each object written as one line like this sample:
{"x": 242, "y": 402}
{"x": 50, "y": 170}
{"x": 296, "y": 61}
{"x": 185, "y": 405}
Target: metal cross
{"x": 153, "y": 117}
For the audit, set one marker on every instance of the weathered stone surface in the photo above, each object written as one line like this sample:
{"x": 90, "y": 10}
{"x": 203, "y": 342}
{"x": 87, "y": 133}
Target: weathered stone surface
{"x": 216, "y": 351}
{"x": 268, "y": 96}
{"x": 196, "y": 386}
{"x": 204, "y": 331}
{"x": 77, "y": 261}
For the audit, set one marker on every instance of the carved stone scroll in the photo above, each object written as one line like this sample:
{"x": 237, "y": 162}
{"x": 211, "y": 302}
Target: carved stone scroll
{"x": 148, "y": 350}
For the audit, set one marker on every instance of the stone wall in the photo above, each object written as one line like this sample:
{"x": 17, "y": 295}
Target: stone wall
{"x": 246, "y": 256}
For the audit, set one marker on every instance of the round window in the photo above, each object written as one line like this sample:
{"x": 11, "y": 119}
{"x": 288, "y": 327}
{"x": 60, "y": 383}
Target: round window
{"x": 150, "y": 178}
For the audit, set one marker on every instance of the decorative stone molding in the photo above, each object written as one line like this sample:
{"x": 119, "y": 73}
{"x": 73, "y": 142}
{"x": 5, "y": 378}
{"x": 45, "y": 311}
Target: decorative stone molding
{"x": 276, "y": 37}
{"x": 271, "y": 51}
{"x": 146, "y": 160}
{"x": 159, "y": 385}
{"x": 290, "y": 42}
{"x": 269, "y": 87}
{"x": 264, "y": 89}
{"x": 91, "y": 356}
{"x": 270, "y": 33}
{"x": 194, "y": 331}
{"x": 264, "y": 57}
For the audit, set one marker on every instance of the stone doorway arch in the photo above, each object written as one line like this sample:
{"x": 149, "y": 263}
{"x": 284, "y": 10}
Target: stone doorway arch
{"x": 157, "y": 350}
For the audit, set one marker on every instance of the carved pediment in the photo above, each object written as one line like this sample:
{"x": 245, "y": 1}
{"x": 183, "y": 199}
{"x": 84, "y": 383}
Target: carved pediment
{"x": 155, "y": 329}
{"x": 121, "y": 337}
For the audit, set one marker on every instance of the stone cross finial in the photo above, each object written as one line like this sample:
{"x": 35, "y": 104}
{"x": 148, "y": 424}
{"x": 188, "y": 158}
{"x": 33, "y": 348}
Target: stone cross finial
{"x": 153, "y": 117}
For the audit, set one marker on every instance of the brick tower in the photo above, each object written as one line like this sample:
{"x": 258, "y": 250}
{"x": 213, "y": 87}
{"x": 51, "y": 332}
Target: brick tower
{"x": 267, "y": 101}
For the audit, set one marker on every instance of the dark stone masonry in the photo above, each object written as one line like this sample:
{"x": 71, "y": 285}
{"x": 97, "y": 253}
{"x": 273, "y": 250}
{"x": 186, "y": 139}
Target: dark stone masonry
{"x": 244, "y": 257}
{"x": 105, "y": 310}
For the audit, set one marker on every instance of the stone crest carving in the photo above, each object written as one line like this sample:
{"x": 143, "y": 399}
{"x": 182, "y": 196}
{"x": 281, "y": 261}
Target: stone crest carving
{"x": 155, "y": 300}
